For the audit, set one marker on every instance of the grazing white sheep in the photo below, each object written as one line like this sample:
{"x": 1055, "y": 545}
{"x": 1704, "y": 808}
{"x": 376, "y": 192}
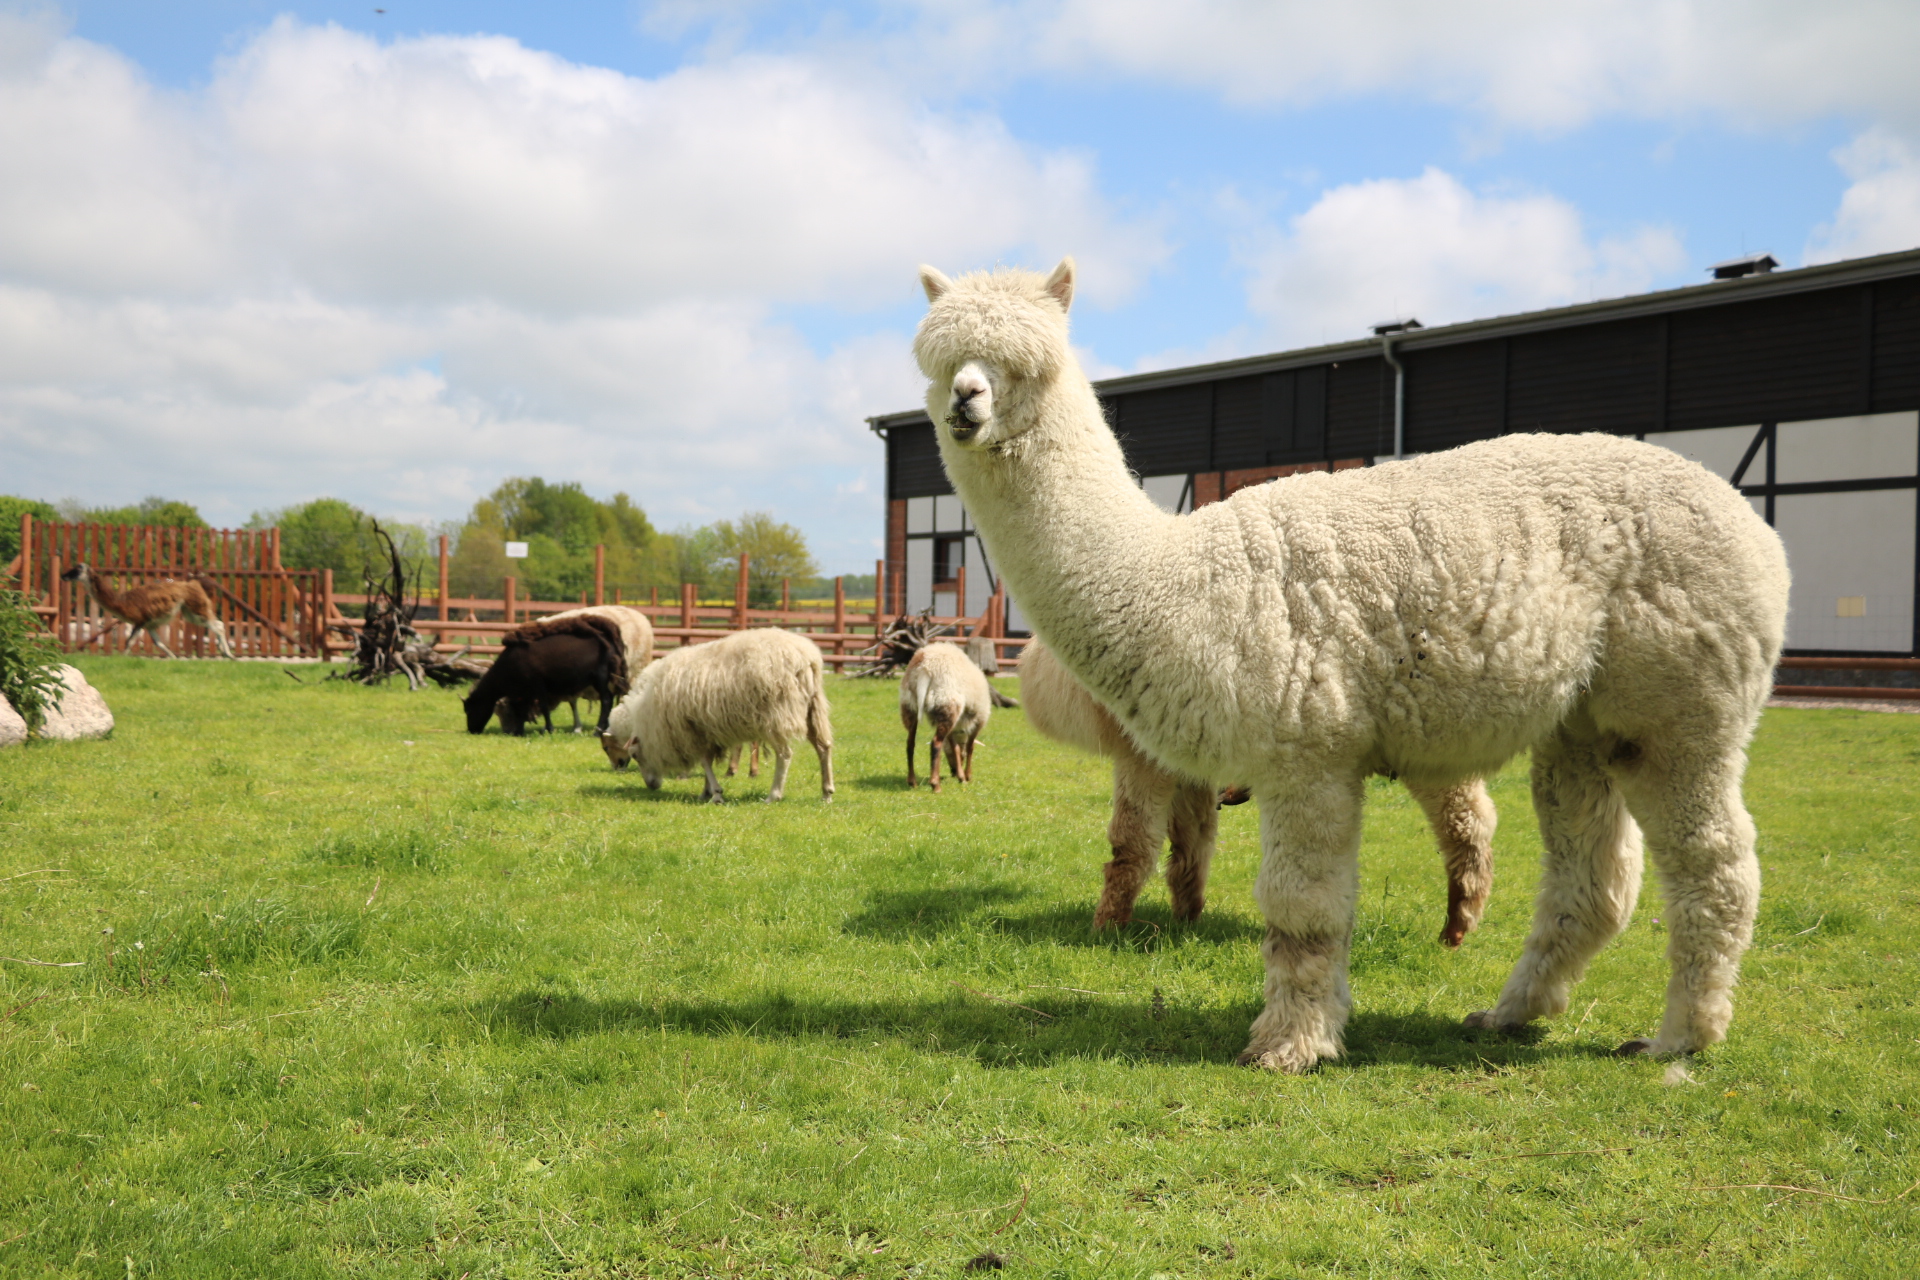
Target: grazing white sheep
{"x": 687, "y": 709}
{"x": 1152, "y": 806}
{"x": 946, "y": 688}
{"x": 1606, "y": 603}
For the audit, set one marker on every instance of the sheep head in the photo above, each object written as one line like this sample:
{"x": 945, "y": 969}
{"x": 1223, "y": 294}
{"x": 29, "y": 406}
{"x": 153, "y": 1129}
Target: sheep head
{"x": 989, "y": 341}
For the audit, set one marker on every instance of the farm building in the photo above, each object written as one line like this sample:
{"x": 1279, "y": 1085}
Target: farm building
{"x": 1800, "y": 387}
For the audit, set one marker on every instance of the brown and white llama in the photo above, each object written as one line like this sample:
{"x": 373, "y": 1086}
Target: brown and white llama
{"x": 155, "y": 605}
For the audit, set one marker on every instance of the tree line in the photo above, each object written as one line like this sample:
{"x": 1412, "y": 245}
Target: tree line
{"x": 560, "y": 523}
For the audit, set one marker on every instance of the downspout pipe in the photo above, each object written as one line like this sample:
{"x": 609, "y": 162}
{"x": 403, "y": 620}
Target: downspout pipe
{"x": 1399, "y": 397}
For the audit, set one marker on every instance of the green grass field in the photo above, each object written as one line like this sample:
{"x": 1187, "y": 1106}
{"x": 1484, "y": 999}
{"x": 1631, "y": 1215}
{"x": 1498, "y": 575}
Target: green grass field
{"x": 365, "y": 995}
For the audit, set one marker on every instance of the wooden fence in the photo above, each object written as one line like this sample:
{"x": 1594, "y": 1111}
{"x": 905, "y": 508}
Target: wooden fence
{"x": 271, "y": 611}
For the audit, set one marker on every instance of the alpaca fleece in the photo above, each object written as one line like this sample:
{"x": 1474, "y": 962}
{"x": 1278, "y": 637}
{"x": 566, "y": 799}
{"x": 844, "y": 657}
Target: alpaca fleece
{"x": 1605, "y": 603}
{"x": 691, "y": 706}
{"x": 1152, "y": 805}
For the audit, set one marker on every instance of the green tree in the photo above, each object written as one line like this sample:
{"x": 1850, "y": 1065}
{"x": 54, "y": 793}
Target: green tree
{"x": 29, "y": 663}
{"x": 774, "y": 551}
{"x": 561, "y": 523}
{"x": 11, "y": 509}
{"x": 166, "y": 512}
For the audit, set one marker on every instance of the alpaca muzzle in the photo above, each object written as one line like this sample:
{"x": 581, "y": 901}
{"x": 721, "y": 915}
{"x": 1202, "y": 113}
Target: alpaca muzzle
{"x": 971, "y": 403}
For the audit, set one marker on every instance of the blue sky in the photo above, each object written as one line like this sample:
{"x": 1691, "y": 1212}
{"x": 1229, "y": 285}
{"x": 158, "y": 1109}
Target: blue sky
{"x": 257, "y": 253}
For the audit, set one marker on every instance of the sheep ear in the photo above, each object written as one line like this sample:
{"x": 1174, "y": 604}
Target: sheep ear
{"x": 1060, "y": 283}
{"x": 934, "y": 282}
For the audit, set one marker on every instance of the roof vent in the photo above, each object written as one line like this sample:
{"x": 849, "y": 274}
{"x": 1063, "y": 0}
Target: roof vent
{"x": 1754, "y": 264}
{"x": 1396, "y": 326}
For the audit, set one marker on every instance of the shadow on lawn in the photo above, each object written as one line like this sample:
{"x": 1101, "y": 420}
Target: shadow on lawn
{"x": 1026, "y": 1028}
{"x": 896, "y": 916}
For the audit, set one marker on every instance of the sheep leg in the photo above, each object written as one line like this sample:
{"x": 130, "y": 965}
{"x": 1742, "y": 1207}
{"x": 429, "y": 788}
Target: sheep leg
{"x": 782, "y": 757}
{"x": 1463, "y": 818}
{"x": 825, "y": 751}
{"x": 712, "y": 794}
{"x": 733, "y": 762}
{"x": 954, "y": 743}
{"x": 1141, "y": 795}
{"x": 972, "y": 742}
{"x": 1590, "y": 876}
{"x": 1193, "y": 827}
{"x": 753, "y": 761}
{"x": 1701, "y": 838}
{"x": 573, "y": 705}
{"x": 1309, "y": 879}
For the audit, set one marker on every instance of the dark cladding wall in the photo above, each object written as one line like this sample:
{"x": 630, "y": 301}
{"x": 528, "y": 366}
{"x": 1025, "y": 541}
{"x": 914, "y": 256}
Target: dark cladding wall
{"x": 1825, "y": 352}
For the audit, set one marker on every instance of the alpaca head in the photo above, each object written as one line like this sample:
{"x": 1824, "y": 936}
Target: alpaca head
{"x": 79, "y": 573}
{"x": 989, "y": 340}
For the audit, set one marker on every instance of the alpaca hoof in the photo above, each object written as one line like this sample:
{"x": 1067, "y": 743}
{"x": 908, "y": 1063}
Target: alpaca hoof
{"x": 1635, "y": 1049}
{"x": 1115, "y": 920}
{"x": 1453, "y": 935}
{"x": 1284, "y": 1060}
{"x": 1488, "y": 1020}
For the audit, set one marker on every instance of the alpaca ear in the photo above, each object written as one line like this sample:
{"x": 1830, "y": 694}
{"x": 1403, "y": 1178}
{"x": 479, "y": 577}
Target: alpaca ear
{"x": 1060, "y": 283}
{"x": 933, "y": 282}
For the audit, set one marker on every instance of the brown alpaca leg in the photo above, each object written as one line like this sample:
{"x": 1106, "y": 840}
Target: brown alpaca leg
{"x": 953, "y": 759}
{"x": 1142, "y": 793}
{"x": 971, "y": 744}
{"x": 1463, "y": 819}
{"x": 933, "y": 758}
{"x": 913, "y": 731}
{"x": 1194, "y": 825}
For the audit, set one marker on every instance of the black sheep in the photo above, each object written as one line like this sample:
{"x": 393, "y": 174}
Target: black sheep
{"x": 544, "y": 666}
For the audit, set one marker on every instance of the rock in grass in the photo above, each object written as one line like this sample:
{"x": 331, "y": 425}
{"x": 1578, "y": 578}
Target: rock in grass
{"x": 13, "y": 729}
{"x": 82, "y": 712}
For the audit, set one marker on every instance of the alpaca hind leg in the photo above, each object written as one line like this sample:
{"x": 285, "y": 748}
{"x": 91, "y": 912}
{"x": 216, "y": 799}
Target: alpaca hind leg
{"x": 1142, "y": 797}
{"x": 1589, "y": 882}
{"x": 955, "y": 744}
{"x": 933, "y": 759}
{"x": 1308, "y": 882}
{"x": 160, "y": 644}
{"x": 1463, "y": 820}
{"x": 1701, "y": 838}
{"x": 824, "y": 750}
{"x": 218, "y": 630}
{"x": 1192, "y": 829}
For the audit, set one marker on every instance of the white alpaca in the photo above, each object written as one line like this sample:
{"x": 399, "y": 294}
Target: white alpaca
{"x": 944, "y": 687}
{"x": 691, "y": 706}
{"x": 1606, "y": 603}
{"x": 1152, "y": 805}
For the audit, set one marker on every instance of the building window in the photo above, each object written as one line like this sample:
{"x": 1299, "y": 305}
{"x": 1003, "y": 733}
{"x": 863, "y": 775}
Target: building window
{"x": 948, "y": 556}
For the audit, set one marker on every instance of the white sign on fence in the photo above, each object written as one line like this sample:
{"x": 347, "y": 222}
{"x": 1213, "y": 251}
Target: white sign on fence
{"x": 516, "y": 551}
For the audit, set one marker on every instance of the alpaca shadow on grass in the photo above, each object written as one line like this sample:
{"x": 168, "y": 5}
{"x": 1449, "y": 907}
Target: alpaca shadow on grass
{"x": 896, "y": 916}
{"x": 1026, "y": 1027}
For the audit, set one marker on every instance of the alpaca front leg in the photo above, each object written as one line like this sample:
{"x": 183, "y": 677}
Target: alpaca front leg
{"x": 1142, "y": 794}
{"x": 782, "y": 757}
{"x": 1193, "y": 829}
{"x": 933, "y": 759}
{"x": 1309, "y": 879}
{"x": 160, "y": 644}
{"x": 1463, "y": 819}
{"x": 1590, "y": 878}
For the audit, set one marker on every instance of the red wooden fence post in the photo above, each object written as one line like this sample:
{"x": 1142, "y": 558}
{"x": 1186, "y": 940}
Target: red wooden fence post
{"x": 599, "y": 573}
{"x": 686, "y": 609}
{"x": 879, "y": 595}
{"x": 26, "y": 553}
{"x": 654, "y": 598}
{"x": 786, "y": 596}
{"x": 960, "y": 592}
{"x": 740, "y": 596}
{"x": 59, "y": 603}
{"x": 508, "y": 599}
{"x": 440, "y": 612}
{"x": 839, "y": 614}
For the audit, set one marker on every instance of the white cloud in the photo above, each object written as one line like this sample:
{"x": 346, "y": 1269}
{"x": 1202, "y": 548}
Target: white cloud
{"x": 1523, "y": 65}
{"x": 1880, "y": 211}
{"x": 1428, "y": 247}
{"x": 397, "y": 271}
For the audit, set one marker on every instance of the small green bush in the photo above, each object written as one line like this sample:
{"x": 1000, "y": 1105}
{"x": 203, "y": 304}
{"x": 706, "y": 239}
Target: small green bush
{"x": 29, "y": 664}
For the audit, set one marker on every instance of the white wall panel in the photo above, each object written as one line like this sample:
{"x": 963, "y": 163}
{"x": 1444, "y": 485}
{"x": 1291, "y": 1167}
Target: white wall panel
{"x": 1849, "y": 546}
{"x": 919, "y": 573}
{"x": 949, "y": 516}
{"x": 979, "y": 582}
{"x": 919, "y": 515}
{"x": 1718, "y": 449}
{"x": 1882, "y": 444}
{"x": 1165, "y": 491}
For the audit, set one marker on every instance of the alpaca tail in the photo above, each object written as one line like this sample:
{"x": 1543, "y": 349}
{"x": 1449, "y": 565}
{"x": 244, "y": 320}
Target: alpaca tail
{"x": 819, "y": 712}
